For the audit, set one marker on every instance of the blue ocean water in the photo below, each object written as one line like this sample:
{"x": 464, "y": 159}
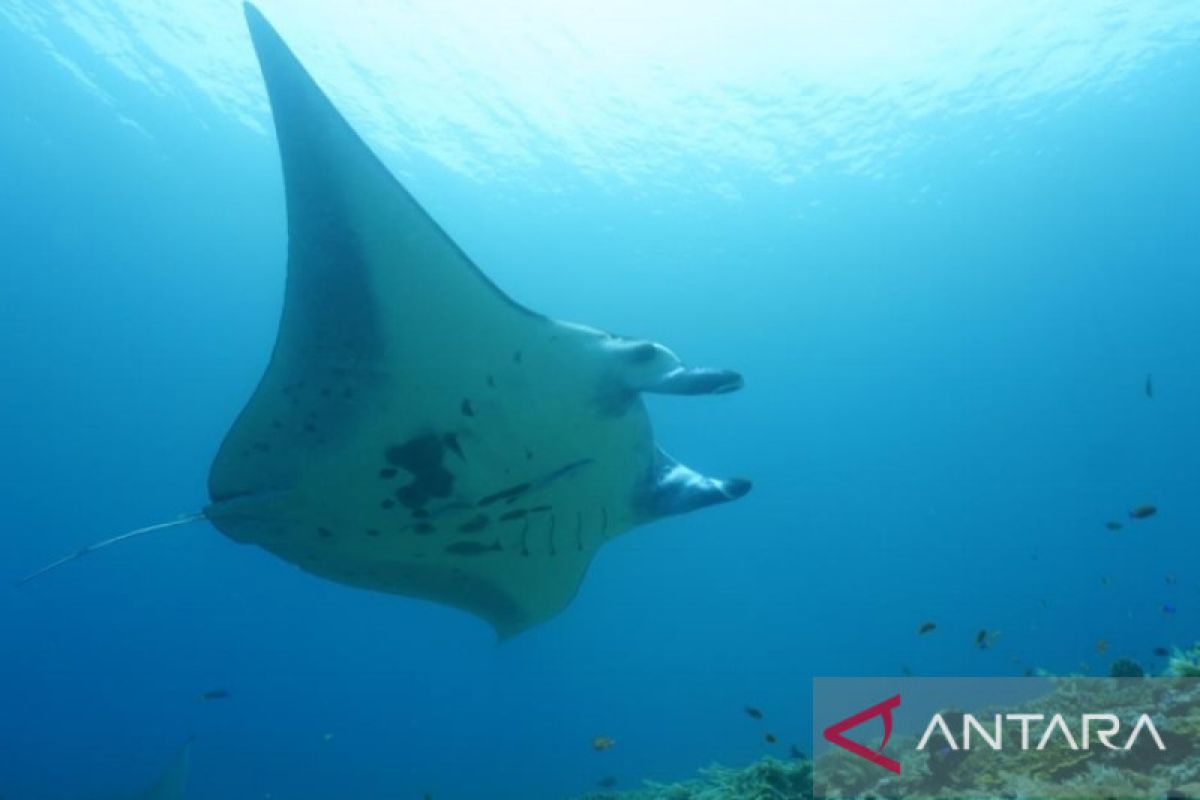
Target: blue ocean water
{"x": 946, "y": 246}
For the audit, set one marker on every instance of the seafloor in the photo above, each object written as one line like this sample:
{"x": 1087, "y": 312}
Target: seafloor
{"x": 1050, "y": 773}
{"x": 767, "y": 779}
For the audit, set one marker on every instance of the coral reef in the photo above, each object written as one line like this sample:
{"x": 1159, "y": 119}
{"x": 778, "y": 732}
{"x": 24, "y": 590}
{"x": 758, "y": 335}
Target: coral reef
{"x": 1056, "y": 771}
{"x": 1184, "y": 663}
{"x": 767, "y": 779}
{"x": 1012, "y": 772}
{"x": 1126, "y": 668}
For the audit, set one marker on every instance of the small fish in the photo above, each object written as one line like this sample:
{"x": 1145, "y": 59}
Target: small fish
{"x": 215, "y": 694}
{"x": 796, "y": 752}
{"x": 602, "y": 743}
{"x": 769, "y": 738}
{"x": 1113, "y": 525}
{"x": 753, "y": 713}
{"x": 1101, "y": 647}
{"x": 906, "y": 671}
{"x": 926, "y": 627}
{"x": 1169, "y": 608}
{"x": 982, "y": 639}
{"x": 1162, "y": 652}
{"x": 1149, "y": 386}
{"x": 607, "y": 782}
{"x": 1171, "y": 579}
{"x": 1142, "y": 512}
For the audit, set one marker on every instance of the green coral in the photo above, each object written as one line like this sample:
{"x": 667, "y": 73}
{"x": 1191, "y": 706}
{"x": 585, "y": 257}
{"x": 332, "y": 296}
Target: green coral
{"x": 1126, "y": 668}
{"x": 1184, "y": 663}
{"x": 767, "y": 779}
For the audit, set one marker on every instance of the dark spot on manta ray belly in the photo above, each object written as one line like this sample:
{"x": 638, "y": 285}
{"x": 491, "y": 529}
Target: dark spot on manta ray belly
{"x": 509, "y": 494}
{"x": 422, "y": 456}
{"x": 472, "y": 548}
{"x": 467, "y": 409}
{"x": 475, "y": 524}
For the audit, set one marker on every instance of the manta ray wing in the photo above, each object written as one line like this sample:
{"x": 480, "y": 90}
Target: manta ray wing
{"x": 418, "y": 432}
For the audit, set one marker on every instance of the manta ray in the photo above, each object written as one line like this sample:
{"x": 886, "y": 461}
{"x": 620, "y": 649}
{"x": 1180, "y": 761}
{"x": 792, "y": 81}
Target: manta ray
{"x": 417, "y": 431}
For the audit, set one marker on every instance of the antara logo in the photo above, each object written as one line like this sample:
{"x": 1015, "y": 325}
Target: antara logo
{"x": 834, "y": 733}
{"x": 1104, "y": 726}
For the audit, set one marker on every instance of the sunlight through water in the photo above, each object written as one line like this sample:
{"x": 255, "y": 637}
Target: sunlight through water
{"x": 628, "y": 91}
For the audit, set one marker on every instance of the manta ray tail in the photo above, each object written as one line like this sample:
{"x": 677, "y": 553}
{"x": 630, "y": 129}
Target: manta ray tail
{"x": 187, "y": 519}
{"x": 231, "y": 507}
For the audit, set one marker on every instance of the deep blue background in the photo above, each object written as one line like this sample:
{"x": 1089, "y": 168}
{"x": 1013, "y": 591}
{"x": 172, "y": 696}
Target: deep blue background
{"x": 944, "y": 404}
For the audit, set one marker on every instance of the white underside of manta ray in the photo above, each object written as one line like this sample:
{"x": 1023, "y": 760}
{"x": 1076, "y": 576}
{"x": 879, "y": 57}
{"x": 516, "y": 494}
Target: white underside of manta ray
{"x": 418, "y": 432}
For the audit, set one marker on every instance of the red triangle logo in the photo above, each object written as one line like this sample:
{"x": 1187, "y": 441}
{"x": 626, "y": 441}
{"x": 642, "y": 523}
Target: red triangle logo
{"x": 833, "y": 734}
